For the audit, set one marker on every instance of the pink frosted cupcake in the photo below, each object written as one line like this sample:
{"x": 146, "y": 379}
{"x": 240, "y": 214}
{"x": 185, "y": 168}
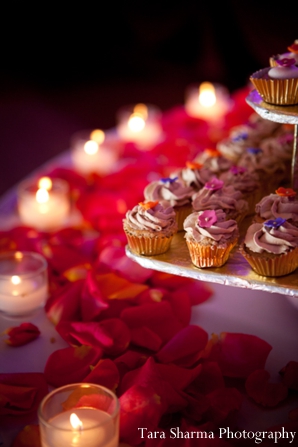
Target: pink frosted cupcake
{"x": 194, "y": 175}
{"x": 149, "y": 228}
{"x": 271, "y": 248}
{"x": 246, "y": 182}
{"x": 216, "y": 195}
{"x": 270, "y": 170}
{"x": 173, "y": 193}
{"x": 213, "y": 160}
{"x": 283, "y": 204}
{"x": 210, "y": 237}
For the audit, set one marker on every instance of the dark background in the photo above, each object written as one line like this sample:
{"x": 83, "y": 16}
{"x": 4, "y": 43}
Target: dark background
{"x": 63, "y": 70}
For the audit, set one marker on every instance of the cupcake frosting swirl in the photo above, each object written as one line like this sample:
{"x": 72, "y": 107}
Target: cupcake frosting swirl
{"x": 242, "y": 180}
{"x": 170, "y": 190}
{"x": 158, "y": 218}
{"x": 225, "y": 198}
{"x": 274, "y": 206}
{"x": 271, "y": 239}
{"x": 220, "y": 230}
{"x": 194, "y": 177}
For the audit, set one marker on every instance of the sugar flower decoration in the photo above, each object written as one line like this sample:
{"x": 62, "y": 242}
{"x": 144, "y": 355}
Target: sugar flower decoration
{"x": 274, "y": 223}
{"x": 212, "y": 152}
{"x": 285, "y": 192}
{"x": 207, "y": 218}
{"x": 253, "y": 150}
{"x": 148, "y": 205}
{"x": 214, "y": 184}
{"x": 294, "y": 47}
{"x": 286, "y": 62}
{"x": 168, "y": 179}
{"x": 237, "y": 170}
{"x": 242, "y": 136}
{"x": 193, "y": 165}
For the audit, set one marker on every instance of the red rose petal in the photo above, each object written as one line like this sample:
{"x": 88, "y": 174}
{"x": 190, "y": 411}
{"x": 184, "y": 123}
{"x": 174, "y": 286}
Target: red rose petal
{"x": 185, "y": 344}
{"x": 71, "y": 365}
{"x": 20, "y": 396}
{"x": 263, "y": 392}
{"x": 140, "y": 406}
{"x": 224, "y": 402}
{"x": 158, "y": 317}
{"x": 146, "y": 338}
{"x": 209, "y": 380}
{"x": 64, "y": 304}
{"x": 238, "y": 355}
{"x": 290, "y": 375}
{"x": 29, "y": 436}
{"x": 104, "y": 373}
{"x": 20, "y": 335}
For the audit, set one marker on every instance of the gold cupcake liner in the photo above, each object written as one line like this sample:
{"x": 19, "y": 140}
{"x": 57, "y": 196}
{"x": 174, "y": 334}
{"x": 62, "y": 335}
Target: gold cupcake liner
{"x": 281, "y": 92}
{"x": 181, "y": 214}
{"x": 279, "y": 265}
{"x": 203, "y": 256}
{"x": 148, "y": 246}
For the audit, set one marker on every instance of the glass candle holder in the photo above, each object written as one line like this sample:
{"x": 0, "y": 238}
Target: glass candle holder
{"x": 207, "y": 101}
{"x": 80, "y": 414}
{"x": 92, "y": 152}
{"x": 23, "y": 283}
{"x": 44, "y": 204}
{"x": 140, "y": 124}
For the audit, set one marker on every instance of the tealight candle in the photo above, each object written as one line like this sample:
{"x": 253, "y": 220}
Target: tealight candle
{"x": 80, "y": 415}
{"x": 23, "y": 283}
{"x": 139, "y": 124}
{"x": 91, "y": 153}
{"x": 208, "y": 101}
{"x": 44, "y": 205}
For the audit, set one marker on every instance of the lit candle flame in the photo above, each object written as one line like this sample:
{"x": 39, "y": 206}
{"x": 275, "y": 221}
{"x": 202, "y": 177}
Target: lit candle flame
{"x": 75, "y": 422}
{"x": 91, "y": 147}
{"x": 97, "y": 135}
{"x": 207, "y": 97}
{"x": 42, "y": 195}
{"x": 15, "y": 279}
{"x": 136, "y": 122}
{"x": 45, "y": 183}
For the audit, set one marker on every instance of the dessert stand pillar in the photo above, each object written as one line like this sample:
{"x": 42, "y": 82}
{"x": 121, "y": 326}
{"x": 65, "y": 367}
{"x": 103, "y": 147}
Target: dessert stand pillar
{"x": 283, "y": 115}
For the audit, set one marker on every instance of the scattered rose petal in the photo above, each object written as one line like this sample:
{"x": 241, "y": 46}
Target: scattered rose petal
{"x": 290, "y": 375}
{"x": 184, "y": 347}
{"x": 238, "y": 355}
{"x": 262, "y": 391}
{"x": 71, "y": 365}
{"x": 20, "y": 335}
{"x": 29, "y": 436}
{"x": 20, "y": 396}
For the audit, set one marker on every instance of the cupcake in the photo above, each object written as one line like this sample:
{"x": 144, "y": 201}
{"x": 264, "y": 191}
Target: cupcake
{"x": 278, "y": 85}
{"x": 269, "y": 169}
{"x": 291, "y": 53}
{"x": 235, "y": 145}
{"x": 149, "y": 228}
{"x": 194, "y": 175}
{"x": 216, "y": 195}
{"x": 174, "y": 193}
{"x": 210, "y": 237}
{"x": 283, "y": 204}
{"x": 271, "y": 248}
{"x": 214, "y": 161}
{"x": 281, "y": 147}
{"x": 246, "y": 182}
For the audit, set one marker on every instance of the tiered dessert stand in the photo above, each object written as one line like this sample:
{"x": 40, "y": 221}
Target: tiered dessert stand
{"x": 236, "y": 272}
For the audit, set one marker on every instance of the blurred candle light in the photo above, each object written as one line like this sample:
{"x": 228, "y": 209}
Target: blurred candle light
{"x": 209, "y": 102}
{"x": 90, "y": 154}
{"x": 80, "y": 425}
{"x": 45, "y": 205}
{"x": 139, "y": 124}
{"x": 23, "y": 283}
